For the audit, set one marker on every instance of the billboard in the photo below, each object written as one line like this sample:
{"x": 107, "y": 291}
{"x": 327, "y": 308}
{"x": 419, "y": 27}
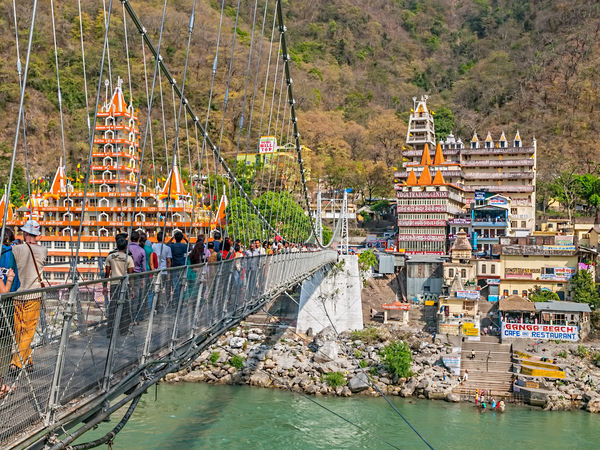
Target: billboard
{"x": 540, "y": 331}
{"x": 471, "y": 295}
{"x": 267, "y": 144}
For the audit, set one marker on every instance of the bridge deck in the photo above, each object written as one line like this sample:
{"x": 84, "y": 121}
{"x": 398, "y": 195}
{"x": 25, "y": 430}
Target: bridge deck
{"x": 158, "y": 315}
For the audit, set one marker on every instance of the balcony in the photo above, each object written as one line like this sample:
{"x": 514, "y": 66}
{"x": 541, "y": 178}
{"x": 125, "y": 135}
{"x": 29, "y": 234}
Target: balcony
{"x": 499, "y": 151}
{"x": 498, "y": 175}
{"x": 490, "y": 223}
{"x": 499, "y": 163}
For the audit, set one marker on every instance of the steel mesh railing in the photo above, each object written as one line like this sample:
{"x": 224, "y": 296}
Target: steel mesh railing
{"x": 72, "y": 342}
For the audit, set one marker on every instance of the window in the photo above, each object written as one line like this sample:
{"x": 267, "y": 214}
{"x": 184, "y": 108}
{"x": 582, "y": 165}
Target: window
{"x": 89, "y": 245}
{"x": 548, "y": 270}
{"x": 47, "y": 244}
{"x": 505, "y": 292}
{"x": 492, "y": 268}
{"x": 515, "y": 292}
{"x": 60, "y": 259}
{"x": 524, "y": 293}
{"x": 60, "y": 244}
{"x": 104, "y": 245}
{"x": 451, "y": 273}
{"x": 463, "y": 273}
{"x": 483, "y": 268}
{"x": 523, "y": 224}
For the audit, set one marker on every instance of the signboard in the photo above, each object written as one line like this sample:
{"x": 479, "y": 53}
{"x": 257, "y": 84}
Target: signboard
{"x": 540, "y": 331}
{"x": 396, "y": 306}
{"x": 459, "y": 222}
{"x": 519, "y": 272}
{"x": 493, "y": 281}
{"x": 422, "y": 194}
{"x": 267, "y": 144}
{"x": 411, "y": 252}
{"x": 499, "y": 201}
{"x": 559, "y": 274}
{"x": 422, "y": 237}
{"x": 421, "y": 208}
{"x": 469, "y": 329}
{"x": 479, "y": 195}
{"x": 448, "y": 328}
{"x": 471, "y": 295}
{"x": 563, "y": 240}
{"x": 421, "y": 223}
{"x": 493, "y": 298}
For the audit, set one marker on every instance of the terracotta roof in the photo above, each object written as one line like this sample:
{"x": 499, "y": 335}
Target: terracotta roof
{"x": 438, "y": 180}
{"x": 439, "y": 155}
{"x": 425, "y": 178}
{"x": 516, "y": 303}
{"x": 59, "y": 184}
{"x": 412, "y": 179}
{"x": 9, "y": 212}
{"x": 174, "y": 186}
{"x": 118, "y": 105}
{"x": 426, "y": 157}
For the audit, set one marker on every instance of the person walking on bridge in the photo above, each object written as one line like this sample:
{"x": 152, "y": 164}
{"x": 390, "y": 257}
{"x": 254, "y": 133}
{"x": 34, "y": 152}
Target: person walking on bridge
{"x": 30, "y": 258}
{"x": 118, "y": 264}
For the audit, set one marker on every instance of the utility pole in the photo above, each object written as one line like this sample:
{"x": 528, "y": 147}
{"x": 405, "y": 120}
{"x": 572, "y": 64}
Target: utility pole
{"x": 344, "y": 217}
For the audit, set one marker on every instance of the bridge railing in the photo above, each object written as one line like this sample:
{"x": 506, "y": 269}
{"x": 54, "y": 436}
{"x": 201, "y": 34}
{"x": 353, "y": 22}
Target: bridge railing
{"x": 71, "y": 343}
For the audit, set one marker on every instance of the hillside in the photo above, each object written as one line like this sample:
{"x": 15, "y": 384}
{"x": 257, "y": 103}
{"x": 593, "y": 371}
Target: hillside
{"x": 486, "y": 64}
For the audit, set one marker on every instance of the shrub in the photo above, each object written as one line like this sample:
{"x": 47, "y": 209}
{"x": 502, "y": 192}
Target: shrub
{"x": 373, "y": 371}
{"x": 563, "y": 354}
{"x": 582, "y": 351}
{"x": 237, "y": 362}
{"x": 363, "y": 363}
{"x": 357, "y": 354}
{"x": 334, "y": 379}
{"x": 214, "y": 356}
{"x": 397, "y": 358}
{"x": 367, "y": 335}
{"x": 596, "y": 358}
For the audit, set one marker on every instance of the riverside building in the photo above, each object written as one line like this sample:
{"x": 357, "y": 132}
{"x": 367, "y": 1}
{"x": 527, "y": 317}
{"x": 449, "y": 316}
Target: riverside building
{"x": 111, "y": 203}
{"x": 498, "y": 174}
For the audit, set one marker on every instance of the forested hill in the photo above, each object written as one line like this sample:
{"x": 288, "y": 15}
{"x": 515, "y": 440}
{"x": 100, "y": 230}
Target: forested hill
{"x": 486, "y": 64}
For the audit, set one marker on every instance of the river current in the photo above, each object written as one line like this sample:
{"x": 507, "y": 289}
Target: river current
{"x": 202, "y": 416}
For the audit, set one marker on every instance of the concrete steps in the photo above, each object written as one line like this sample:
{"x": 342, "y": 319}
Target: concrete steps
{"x": 490, "y": 369}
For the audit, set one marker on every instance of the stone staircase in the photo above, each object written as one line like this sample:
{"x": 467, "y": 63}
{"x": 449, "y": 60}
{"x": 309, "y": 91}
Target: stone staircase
{"x": 491, "y": 369}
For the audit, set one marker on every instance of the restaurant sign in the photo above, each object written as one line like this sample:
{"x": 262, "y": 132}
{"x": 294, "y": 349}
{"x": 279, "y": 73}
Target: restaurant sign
{"x": 267, "y": 144}
{"x": 540, "y": 331}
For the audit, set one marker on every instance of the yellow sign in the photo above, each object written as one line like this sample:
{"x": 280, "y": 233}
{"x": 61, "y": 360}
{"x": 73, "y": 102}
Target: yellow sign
{"x": 469, "y": 329}
{"x": 429, "y": 302}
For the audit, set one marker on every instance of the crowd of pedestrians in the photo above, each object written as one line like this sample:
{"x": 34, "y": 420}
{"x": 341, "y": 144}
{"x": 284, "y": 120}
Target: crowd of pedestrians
{"x": 22, "y": 264}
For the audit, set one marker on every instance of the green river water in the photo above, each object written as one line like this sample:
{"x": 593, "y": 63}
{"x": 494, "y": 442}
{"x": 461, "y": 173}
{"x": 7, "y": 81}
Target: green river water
{"x": 201, "y": 416}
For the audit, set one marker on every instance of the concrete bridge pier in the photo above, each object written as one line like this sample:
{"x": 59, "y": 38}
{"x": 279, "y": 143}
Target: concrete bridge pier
{"x": 334, "y": 292}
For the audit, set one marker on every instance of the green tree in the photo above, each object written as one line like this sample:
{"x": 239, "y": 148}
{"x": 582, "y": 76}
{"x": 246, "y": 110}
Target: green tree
{"x": 588, "y": 188}
{"x": 583, "y": 288}
{"x": 537, "y": 294}
{"x": 444, "y": 122}
{"x": 565, "y": 189}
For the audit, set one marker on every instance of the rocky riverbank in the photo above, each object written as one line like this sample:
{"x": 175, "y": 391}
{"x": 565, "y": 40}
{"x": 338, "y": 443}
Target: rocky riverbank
{"x": 322, "y": 365}
{"x": 326, "y": 365}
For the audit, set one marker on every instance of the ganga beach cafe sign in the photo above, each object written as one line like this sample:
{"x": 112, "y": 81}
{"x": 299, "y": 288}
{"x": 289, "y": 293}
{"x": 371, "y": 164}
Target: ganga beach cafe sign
{"x": 540, "y": 331}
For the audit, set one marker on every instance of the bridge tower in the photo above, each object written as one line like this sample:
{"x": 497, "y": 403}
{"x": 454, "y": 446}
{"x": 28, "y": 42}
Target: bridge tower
{"x": 344, "y": 217}
{"x": 319, "y": 219}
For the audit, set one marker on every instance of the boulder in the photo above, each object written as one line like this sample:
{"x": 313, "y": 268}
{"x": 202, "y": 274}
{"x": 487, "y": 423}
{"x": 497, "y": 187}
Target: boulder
{"x": 358, "y": 383}
{"x": 409, "y": 388}
{"x": 260, "y": 379}
{"x": 593, "y": 405}
{"x": 237, "y": 342}
{"x": 327, "y": 352}
{"x": 254, "y": 337}
{"x": 452, "y": 397}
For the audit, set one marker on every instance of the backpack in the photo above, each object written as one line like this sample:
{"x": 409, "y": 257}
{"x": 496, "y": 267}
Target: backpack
{"x": 7, "y": 261}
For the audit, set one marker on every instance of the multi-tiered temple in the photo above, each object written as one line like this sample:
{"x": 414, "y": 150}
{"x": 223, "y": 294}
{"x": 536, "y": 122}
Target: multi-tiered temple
{"x": 111, "y": 203}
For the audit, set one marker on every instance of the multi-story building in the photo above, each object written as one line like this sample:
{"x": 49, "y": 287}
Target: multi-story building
{"x": 111, "y": 202}
{"x": 425, "y": 204}
{"x": 502, "y": 167}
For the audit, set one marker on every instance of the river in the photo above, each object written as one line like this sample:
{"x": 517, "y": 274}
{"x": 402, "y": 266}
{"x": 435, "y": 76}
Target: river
{"x": 202, "y": 416}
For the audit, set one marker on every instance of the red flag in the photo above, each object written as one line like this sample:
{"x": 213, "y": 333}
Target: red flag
{"x": 22, "y": 196}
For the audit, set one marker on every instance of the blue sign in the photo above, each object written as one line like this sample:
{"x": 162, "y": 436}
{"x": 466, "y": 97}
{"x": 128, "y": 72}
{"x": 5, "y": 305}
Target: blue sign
{"x": 493, "y": 298}
{"x": 479, "y": 195}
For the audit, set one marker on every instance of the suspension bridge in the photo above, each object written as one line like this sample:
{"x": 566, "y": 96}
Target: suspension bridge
{"x": 187, "y": 127}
